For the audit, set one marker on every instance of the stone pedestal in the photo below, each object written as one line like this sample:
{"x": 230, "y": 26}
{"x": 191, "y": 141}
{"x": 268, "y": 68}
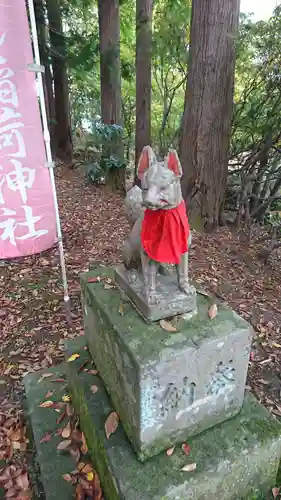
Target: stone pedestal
{"x": 235, "y": 460}
{"x": 165, "y": 386}
{"x": 170, "y": 300}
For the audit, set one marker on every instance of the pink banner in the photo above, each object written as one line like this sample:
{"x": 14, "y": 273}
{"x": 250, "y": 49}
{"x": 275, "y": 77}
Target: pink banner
{"x": 27, "y": 215}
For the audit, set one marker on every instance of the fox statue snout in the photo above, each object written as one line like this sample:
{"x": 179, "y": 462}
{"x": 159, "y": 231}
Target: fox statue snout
{"x": 160, "y": 233}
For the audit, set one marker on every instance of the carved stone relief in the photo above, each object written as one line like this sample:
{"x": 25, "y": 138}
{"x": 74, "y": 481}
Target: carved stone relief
{"x": 223, "y": 379}
{"x": 175, "y": 397}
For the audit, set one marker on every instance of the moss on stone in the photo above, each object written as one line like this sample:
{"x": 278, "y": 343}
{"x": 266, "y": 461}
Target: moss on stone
{"x": 234, "y": 459}
{"x": 112, "y": 337}
{"x": 94, "y": 434}
{"x": 52, "y": 463}
{"x": 147, "y": 341}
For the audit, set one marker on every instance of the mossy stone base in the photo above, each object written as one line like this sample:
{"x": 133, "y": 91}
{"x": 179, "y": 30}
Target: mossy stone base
{"x": 52, "y": 463}
{"x": 166, "y": 386}
{"x": 237, "y": 459}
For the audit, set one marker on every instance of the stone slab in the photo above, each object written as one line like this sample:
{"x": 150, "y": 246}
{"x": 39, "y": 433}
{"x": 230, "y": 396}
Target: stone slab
{"x": 165, "y": 386}
{"x": 170, "y": 300}
{"x": 235, "y": 460}
{"x": 52, "y": 463}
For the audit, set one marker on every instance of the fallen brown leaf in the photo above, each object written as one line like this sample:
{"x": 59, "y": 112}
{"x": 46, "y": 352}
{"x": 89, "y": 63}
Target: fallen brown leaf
{"x": 170, "y": 451}
{"x": 107, "y": 286}
{"x": 49, "y": 394}
{"x": 96, "y": 279}
{"x": 15, "y": 435}
{"x": 275, "y": 492}
{"x": 97, "y": 488}
{"x": 46, "y": 438}
{"x": 61, "y": 417}
{"x": 67, "y": 477}
{"x": 263, "y": 381}
{"x": 213, "y": 311}
{"x": 252, "y": 355}
{"x": 45, "y": 375}
{"x": 47, "y": 404}
{"x": 111, "y": 424}
{"x": 84, "y": 447}
{"x": 121, "y": 309}
{"x": 189, "y": 467}
{"x": 75, "y": 453}
{"x": 166, "y": 325}
{"x": 66, "y": 432}
{"x": 186, "y": 448}
{"x": 8, "y": 423}
{"x": 93, "y": 372}
{"x": 11, "y": 493}
{"x": 87, "y": 468}
{"x": 63, "y": 445}
{"x": 275, "y": 344}
{"x": 24, "y": 495}
{"x": 69, "y": 410}
{"x": 22, "y": 481}
{"x": 73, "y": 357}
{"x": 82, "y": 366}
{"x": 79, "y": 492}
{"x": 80, "y": 466}
{"x": 77, "y": 436}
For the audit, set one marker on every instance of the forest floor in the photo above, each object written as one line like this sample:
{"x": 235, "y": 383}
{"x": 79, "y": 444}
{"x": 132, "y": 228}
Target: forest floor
{"x": 32, "y": 317}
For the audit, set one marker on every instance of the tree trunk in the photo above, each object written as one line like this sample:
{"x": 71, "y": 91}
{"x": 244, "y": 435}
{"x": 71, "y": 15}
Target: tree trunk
{"x": 40, "y": 16}
{"x": 144, "y": 10}
{"x": 110, "y": 79}
{"x": 62, "y": 128}
{"x": 204, "y": 141}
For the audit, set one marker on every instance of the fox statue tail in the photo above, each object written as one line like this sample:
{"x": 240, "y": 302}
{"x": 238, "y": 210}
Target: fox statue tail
{"x": 133, "y": 204}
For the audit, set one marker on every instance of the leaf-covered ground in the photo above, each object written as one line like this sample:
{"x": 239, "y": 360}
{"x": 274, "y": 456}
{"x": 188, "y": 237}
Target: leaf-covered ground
{"x": 32, "y": 315}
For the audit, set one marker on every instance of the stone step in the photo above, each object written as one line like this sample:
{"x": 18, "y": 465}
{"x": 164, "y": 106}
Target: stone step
{"x": 52, "y": 463}
{"x": 235, "y": 460}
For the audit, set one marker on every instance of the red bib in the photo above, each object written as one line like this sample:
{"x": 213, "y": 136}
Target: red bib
{"x": 164, "y": 234}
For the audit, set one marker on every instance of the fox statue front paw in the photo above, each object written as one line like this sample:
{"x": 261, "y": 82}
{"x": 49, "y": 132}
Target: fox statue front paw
{"x": 184, "y": 286}
{"x": 150, "y": 296}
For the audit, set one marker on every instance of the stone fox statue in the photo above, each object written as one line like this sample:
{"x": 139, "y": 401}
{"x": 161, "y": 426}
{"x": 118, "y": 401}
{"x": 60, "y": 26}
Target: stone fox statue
{"x": 160, "y": 232}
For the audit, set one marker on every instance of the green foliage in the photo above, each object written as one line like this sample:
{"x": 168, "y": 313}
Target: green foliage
{"x": 97, "y": 171}
{"x": 274, "y": 219}
{"x": 106, "y": 133}
{"x": 170, "y": 57}
{"x": 94, "y": 173}
{"x": 258, "y": 78}
{"x": 170, "y": 54}
{"x": 256, "y": 133}
{"x": 93, "y": 151}
{"x": 82, "y": 43}
{"x": 257, "y": 100}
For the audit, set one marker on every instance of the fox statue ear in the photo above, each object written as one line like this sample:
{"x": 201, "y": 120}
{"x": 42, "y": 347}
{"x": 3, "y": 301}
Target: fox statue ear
{"x": 145, "y": 161}
{"x": 173, "y": 163}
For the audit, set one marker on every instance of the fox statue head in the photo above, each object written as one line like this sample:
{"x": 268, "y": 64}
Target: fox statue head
{"x": 160, "y": 181}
